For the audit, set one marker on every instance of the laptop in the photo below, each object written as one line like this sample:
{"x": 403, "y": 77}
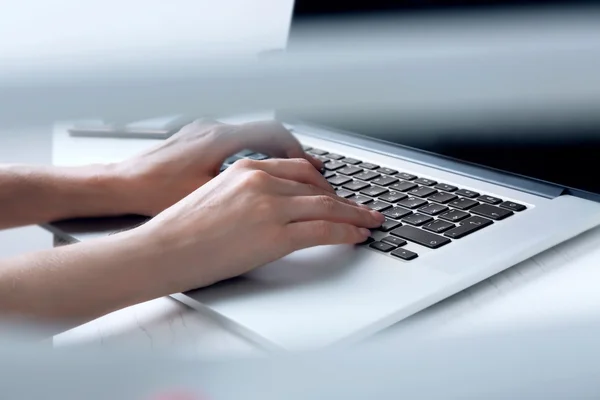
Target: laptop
{"x": 460, "y": 208}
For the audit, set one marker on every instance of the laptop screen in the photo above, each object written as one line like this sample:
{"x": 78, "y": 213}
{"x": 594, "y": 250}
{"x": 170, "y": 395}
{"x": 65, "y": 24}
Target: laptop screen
{"x": 566, "y": 158}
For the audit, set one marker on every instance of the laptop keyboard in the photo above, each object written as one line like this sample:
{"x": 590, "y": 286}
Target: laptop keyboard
{"x": 419, "y": 210}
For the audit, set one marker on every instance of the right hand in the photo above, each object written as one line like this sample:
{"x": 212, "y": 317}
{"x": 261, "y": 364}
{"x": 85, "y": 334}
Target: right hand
{"x": 253, "y": 213}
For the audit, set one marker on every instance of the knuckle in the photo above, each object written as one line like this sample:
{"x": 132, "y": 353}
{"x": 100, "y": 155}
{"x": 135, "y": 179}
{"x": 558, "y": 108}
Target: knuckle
{"x": 327, "y": 203}
{"x": 256, "y": 178}
{"x": 245, "y": 163}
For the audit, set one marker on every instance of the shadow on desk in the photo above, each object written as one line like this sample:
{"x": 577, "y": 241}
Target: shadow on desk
{"x": 80, "y": 229}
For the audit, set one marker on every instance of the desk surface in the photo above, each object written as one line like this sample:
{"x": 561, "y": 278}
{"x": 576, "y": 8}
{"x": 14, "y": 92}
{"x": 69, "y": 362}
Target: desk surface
{"x": 559, "y": 284}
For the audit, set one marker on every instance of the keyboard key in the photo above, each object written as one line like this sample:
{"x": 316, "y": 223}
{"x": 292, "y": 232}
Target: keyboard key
{"x": 367, "y": 175}
{"x": 397, "y": 213}
{"x": 306, "y": 148}
{"x": 388, "y": 225}
{"x": 405, "y": 176}
{"x": 422, "y": 191}
{"x": 454, "y": 215}
{"x": 334, "y": 156}
{"x": 367, "y": 165}
{"x": 425, "y": 181}
{"x": 420, "y": 236}
{"x": 387, "y": 171}
{"x": 359, "y": 199}
{"x": 509, "y": 205}
{"x": 350, "y": 170}
{"x": 396, "y": 241}
{"x": 492, "y": 212}
{"x": 489, "y": 199}
{"x": 412, "y": 203}
{"x": 258, "y": 156}
{"x": 328, "y": 174}
{"x": 355, "y": 185}
{"x": 344, "y": 193}
{"x": 404, "y": 254}
{"x": 338, "y": 180}
{"x": 368, "y": 241}
{"x": 384, "y": 180}
{"x": 322, "y": 158}
{"x": 445, "y": 187}
{"x": 403, "y": 186}
{"x": 417, "y": 219}
{"x": 441, "y": 197}
{"x": 463, "y": 204}
{"x": 468, "y": 226}
{"x": 373, "y": 191}
{"x": 318, "y": 152}
{"x": 467, "y": 193}
{"x": 232, "y": 159}
{"x": 379, "y": 205}
{"x": 352, "y": 161}
{"x": 433, "y": 209}
{"x": 382, "y": 246}
{"x": 438, "y": 226}
{"x": 245, "y": 153}
{"x": 392, "y": 197}
{"x": 223, "y": 168}
{"x": 334, "y": 165}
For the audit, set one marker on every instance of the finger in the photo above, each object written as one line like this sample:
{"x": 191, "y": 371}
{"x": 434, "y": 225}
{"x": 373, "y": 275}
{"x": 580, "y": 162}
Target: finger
{"x": 298, "y": 170}
{"x": 302, "y": 235}
{"x": 327, "y": 208}
{"x": 267, "y": 137}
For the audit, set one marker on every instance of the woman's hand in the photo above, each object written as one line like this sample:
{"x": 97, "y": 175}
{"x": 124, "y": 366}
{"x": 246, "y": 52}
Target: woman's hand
{"x": 253, "y": 213}
{"x": 161, "y": 176}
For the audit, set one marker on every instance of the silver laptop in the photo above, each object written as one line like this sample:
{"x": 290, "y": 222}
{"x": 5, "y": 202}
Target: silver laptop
{"x": 460, "y": 208}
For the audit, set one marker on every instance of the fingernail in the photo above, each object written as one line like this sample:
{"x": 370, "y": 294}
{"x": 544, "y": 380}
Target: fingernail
{"x": 365, "y": 232}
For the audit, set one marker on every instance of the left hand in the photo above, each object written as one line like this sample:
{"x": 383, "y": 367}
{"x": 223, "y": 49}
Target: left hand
{"x": 168, "y": 172}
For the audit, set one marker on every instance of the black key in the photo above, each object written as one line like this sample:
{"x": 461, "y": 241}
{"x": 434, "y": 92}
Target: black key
{"x": 381, "y": 246}
{"x": 425, "y": 181}
{"x": 404, "y": 254}
{"x": 438, "y": 226}
{"x": 318, "y": 152}
{"x": 412, "y": 203}
{"x": 306, "y": 148}
{"x": 328, "y": 174}
{"x": 361, "y": 199}
{"x": 366, "y": 175}
{"x": 368, "y": 241}
{"x": 232, "y": 159}
{"x": 406, "y": 176}
{"x": 392, "y": 197}
{"x": 396, "y": 241}
{"x": 384, "y": 180}
{"x": 422, "y": 191}
{"x": 417, "y": 219}
{"x": 338, "y": 180}
{"x": 467, "y": 193}
{"x": 387, "y": 171}
{"x": 388, "y": 225}
{"x": 454, "y": 215}
{"x": 420, "y": 236}
{"x": 223, "y": 168}
{"x": 379, "y": 205}
{"x": 463, "y": 204}
{"x": 441, "y": 197}
{"x": 355, "y": 185}
{"x": 334, "y": 165}
{"x": 344, "y": 193}
{"x": 322, "y": 158}
{"x": 397, "y": 212}
{"x": 489, "y": 199}
{"x": 468, "y": 226}
{"x": 367, "y": 165}
{"x": 509, "y": 205}
{"x": 373, "y": 191}
{"x": 334, "y": 156}
{"x": 403, "y": 186}
{"x": 433, "y": 209}
{"x": 258, "y": 156}
{"x": 350, "y": 170}
{"x": 352, "y": 161}
{"x": 492, "y": 212}
{"x": 445, "y": 187}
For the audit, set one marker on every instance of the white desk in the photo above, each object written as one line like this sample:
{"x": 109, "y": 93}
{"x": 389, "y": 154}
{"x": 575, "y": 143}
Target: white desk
{"x": 559, "y": 284}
